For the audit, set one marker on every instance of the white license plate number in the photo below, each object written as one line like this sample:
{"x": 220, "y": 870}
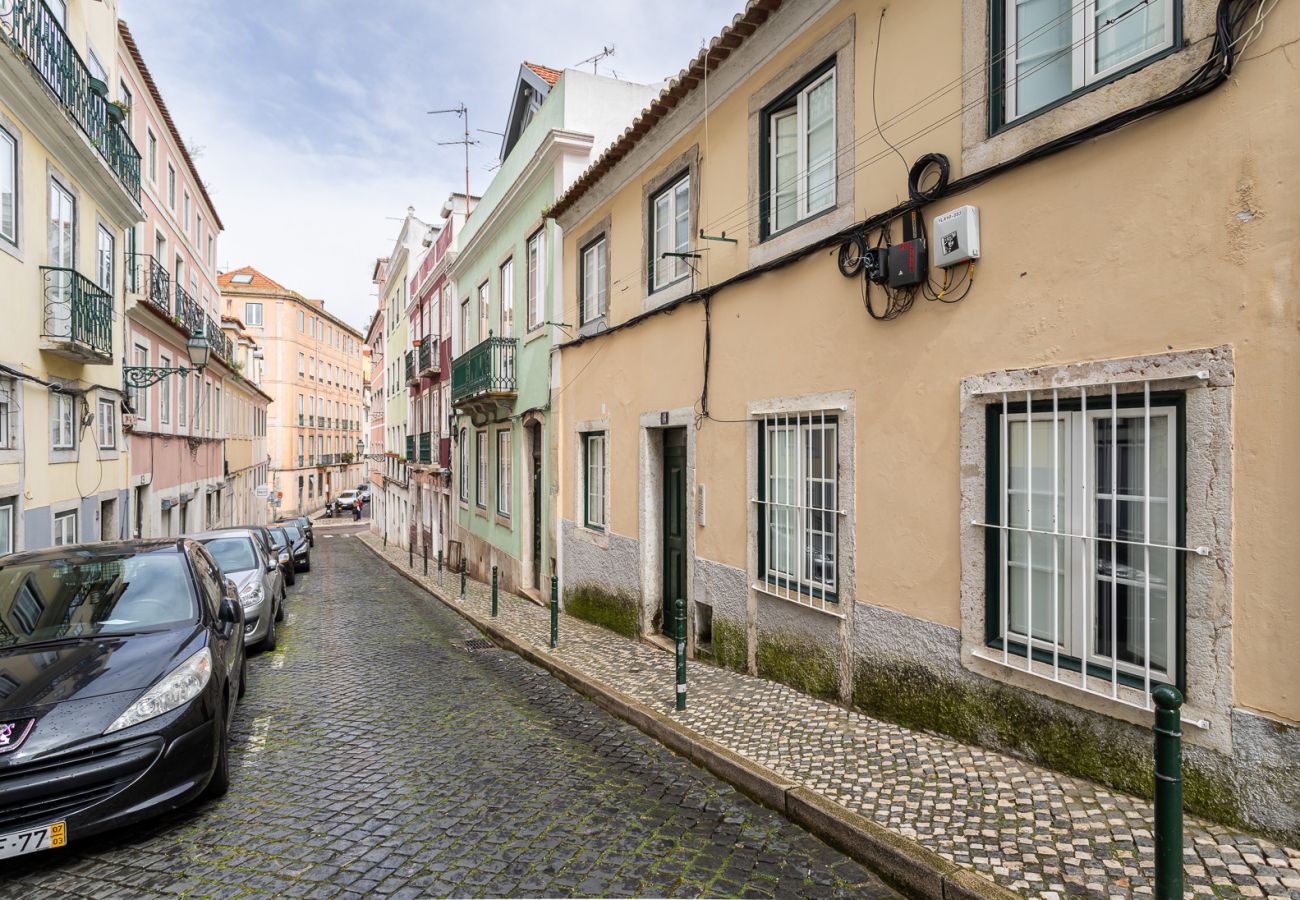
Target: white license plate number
{"x": 33, "y": 840}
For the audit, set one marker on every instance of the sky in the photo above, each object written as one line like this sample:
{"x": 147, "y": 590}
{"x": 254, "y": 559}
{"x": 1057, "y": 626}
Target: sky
{"x": 308, "y": 118}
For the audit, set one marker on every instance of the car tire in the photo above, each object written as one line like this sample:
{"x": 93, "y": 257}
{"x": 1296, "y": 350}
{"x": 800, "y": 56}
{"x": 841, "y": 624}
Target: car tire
{"x": 271, "y": 639}
{"x": 279, "y": 609}
{"x": 289, "y": 577}
{"x": 219, "y": 784}
{"x": 243, "y": 677}
{"x": 306, "y": 567}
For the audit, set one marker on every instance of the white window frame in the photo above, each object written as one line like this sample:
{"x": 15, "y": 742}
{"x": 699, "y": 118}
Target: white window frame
{"x": 105, "y": 251}
{"x": 506, "y": 311}
{"x": 64, "y": 526}
{"x": 140, "y": 395}
{"x": 1083, "y": 50}
{"x": 595, "y": 276}
{"x": 165, "y": 392}
{"x": 480, "y": 469}
{"x": 10, "y": 186}
{"x": 595, "y": 486}
{"x": 799, "y": 110}
{"x": 171, "y": 187}
{"x": 536, "y": 288}
{"x": 249, "y": 307}
{"x": 464, "y": 466}
{"x": 8, "y": 408}
{"x": 8, "y": 506}
{"x": 106, "y": 423}
{"x": 667, "y": 271}
{"x": 484, "y": 311}
{"x": 151, "y": 147}
{"x": 505, "y": 483}
{"x": 64, "y": 426}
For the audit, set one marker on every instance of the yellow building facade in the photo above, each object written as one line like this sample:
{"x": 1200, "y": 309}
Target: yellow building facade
{"x": 69, "y": 192}
{"x": 998, "y": 490}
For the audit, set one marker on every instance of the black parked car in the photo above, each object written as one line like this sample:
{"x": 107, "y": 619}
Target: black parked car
{"x": 304, "y": 524}
{"x": 120, "y": 667}
{"x": 281, "y": 548}
{"x": 301, "y": 551}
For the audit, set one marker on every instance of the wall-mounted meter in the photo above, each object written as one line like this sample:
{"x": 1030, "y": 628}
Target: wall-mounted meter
{"x": 956, "y": 236}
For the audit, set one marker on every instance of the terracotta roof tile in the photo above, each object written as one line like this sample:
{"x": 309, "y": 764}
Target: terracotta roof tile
{"x": 742, "y": 27}
{"x": 259, "y": 280}
{"x": 550, "y": 76}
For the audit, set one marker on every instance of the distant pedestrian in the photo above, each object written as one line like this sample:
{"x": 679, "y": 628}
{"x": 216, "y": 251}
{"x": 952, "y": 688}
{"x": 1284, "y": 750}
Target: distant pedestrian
{"x": 356, "y": 509}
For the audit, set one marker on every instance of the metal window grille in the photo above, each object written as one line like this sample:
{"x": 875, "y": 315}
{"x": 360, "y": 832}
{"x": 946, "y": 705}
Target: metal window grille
{"x": 798, "y": 508}
{"x": 1088, "y": 567}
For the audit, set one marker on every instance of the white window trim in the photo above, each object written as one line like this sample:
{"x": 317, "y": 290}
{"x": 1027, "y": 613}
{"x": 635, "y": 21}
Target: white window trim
{"x": 64, "y": 517}
{"x": 597, "y": 499}
{"x": 106, "y": 414}
{"x": 480, "y": 469}
{"x": 656, "y": 252}
{"x": 505, "y": 467}
{"x": 60, "y": 442}
{"x": 595, "y": 302}
{"x": 800, "y": 111}
{"x": 15, "y": 145}
{"x": 535, "y": 282}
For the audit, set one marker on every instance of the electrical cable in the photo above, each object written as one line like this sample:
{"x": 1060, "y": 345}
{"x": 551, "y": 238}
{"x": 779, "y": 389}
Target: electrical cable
{"x": 875, "y": 68}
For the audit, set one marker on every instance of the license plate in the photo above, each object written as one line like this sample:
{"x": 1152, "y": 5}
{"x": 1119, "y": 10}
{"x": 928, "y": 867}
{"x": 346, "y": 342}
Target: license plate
{"x": 46, "y": 837}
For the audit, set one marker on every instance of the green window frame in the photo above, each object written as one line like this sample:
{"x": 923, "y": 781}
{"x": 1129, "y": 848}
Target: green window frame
{"x": 669, "y": 219}
{"x": 1069, "y": 40}
{"x": 787, "y": 118}
{"x": 798, "y": 506}
{"x": 1072, "y": 563}
{"x": 595, "y": 479}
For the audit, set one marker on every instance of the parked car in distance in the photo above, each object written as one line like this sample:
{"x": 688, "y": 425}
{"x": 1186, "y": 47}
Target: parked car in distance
{"x": 283, "y": 552}
{"x": 263, "y": 536}
{"x": 346, "y": 500}
{"x": 364, "y": 491}
{"x": 257, "y": 578}
{"x": 301, "y": 547}
{"x": 124, "y": 663}
{"x": 304, "y": 523}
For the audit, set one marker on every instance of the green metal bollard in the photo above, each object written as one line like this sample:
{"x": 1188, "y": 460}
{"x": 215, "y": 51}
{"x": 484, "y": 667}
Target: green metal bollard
{"x": 463, "y": 567}
{"x": 555, "y": 612}
{"x": 410, "y": 556}
{"x": 494, "y": 592}
{"x": 385, "y": 540}
{"x": 440, "y": 568}
{"x": 681, "y": 653}
{"x": 426, "y": 560}
{"x": 1169, "y": 793}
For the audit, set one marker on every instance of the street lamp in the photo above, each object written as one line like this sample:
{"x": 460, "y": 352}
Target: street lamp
{"x": 199, "y": 351}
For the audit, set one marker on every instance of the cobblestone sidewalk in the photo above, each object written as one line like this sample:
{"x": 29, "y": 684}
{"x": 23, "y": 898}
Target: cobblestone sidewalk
{"x": 1027, "y": 828}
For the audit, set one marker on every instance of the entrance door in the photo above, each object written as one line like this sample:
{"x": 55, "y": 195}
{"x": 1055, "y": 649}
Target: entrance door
{"x": 108, "y": 523}
{"x": 535, "y": 435}
{"x": 674, "y": 525}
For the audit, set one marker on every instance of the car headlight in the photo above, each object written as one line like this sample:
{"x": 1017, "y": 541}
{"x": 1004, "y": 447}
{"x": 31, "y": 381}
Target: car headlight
{"x": 181, "y": 685}
{"x": 251, "y": 595}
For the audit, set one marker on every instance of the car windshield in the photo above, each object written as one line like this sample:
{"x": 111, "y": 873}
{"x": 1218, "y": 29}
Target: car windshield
{"x": 278, "y": 538}
{"x": 233, "y": 554}
{"x": 293, "y": 532}
{"x": 78, "y": 597}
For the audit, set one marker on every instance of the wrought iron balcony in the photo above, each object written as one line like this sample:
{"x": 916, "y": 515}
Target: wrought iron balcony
{"x": 484, "y": 377}
{"x": 187, "y": 311}
{"x": 411, "y": 377}
{"x": 426, "y": 359}
{"x": 426, "y": 447}
{"x": 31, "y": 28}
{"x": 410, "y": 448}
{"x": 78, "y": 320}
{"x": 146, "y": 276}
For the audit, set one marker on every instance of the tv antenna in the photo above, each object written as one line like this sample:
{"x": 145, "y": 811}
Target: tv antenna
{"x": 605, "y": 52}
{"x": 462, "y": 111}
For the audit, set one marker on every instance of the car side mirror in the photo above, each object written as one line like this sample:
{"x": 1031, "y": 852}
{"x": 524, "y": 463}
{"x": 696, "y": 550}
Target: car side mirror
{"x": 229, "y": 610}
{"x": 284, "y": 557}
{"x": 272, "y": 566}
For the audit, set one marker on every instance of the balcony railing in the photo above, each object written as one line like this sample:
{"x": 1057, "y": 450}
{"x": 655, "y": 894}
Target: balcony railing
{"x": 34, "y": 30}
{"x": 221, "y": 345}
{"x": 78, "y": 317}
{"x": 326, "y": 460}
{"x": 410, "y": 367}
{"x": 426, "y": 447}
{"x": 188, "y": 311}
{"x": 150, "y": 278}
{"x": 485, "y": 370}
{"x": 426, "y": 361}
{"x": 410, "y": 448}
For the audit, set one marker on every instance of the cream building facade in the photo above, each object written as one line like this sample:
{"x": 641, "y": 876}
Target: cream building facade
{"x": 1002, "y": 500}
{"x": 312, "y": 368}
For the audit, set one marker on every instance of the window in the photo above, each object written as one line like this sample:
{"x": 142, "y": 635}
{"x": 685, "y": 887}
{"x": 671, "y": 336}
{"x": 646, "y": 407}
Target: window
{"x": 481, "y": 452}
{"x": 8, "y": 187}
{"x": 198, "y": 229}
{"x": 210, "y": 245}
{"x": 65, "y": 528}
{"x": 139, "y": 397}
{"x": 181, "y": 411}
{"x": 165, "y": 392}
{"x": 503, "y": 472}
{"x": 171, "y": 187}
{"x": 798, "y": 485}
{"x": 302, "y": 365}
{"x": 1086, "y": 513}
{"x": 595, "y": 484}
{"x": 104, "y": 257}
{"x": 62, "y": 420}
{"x": 151, "y": 142}
{"x": 8, "y": 406}
{"x": 301, "y": 322}
{"x": 593, "y": 282}
{"x": 124, "y": 95}
{"x": 800, "y": 176}
{"x": 670, "y": 232}
{"x": 484, "y": 320}
{"x": 1046, "y": 50}
{"x": 7, "y": 527}
{"x": 106, "y": 424}
{"x": 62, "y": 232}
{"x": 464, "y": 325}
{"x": 536, "y": 279}
{"x": 207, "y": 407}
{"x": 507, "y": 310}
{"x": 130, "y": 260}
{"x": 252, "y": 314}
{"x": 185, "y": 215}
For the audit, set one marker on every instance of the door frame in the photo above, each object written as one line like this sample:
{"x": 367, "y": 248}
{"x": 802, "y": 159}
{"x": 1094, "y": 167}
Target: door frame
{"x": 651, "y": 516}
{"x": 530, "y": 437}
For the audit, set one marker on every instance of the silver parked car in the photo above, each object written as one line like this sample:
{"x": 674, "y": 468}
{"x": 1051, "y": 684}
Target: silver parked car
{"x": 260, "y": 582}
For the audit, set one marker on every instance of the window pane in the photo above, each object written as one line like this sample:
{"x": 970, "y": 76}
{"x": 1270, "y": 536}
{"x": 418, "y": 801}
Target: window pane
{"x": 821, "y": 145}
{"x": 1126, "y": 30}
{"x": 785, "y": 169}
{"x": 8, "y": 187}
{"x": 1043, "y": 70}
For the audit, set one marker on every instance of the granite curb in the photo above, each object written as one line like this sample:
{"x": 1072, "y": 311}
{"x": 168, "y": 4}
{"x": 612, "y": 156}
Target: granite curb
{"x": 904, "y": 861}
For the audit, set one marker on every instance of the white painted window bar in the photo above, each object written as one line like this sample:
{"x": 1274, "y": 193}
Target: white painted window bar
{"x": 1088, "y": 566}
{"x": 798, "y": 508}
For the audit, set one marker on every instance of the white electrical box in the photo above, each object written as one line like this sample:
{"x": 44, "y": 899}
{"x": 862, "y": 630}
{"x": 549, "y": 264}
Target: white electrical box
{"x": 956, "y": 236}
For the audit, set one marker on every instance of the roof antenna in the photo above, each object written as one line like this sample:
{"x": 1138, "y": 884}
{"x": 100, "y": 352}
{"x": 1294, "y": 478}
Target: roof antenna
{"x": 604, "y": 53}
{"x": 462, "y": 111}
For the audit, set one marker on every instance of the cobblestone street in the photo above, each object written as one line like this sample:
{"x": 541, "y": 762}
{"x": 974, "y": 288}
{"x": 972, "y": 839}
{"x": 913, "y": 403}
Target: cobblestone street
{"x": 381, "y": 751}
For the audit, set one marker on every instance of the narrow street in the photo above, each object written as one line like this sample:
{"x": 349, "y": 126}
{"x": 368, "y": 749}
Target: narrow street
{"x": 381, "y": 750}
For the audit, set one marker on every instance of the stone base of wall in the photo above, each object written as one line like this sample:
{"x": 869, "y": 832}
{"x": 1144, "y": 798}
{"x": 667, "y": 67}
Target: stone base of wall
{"x": 480, "y": 556}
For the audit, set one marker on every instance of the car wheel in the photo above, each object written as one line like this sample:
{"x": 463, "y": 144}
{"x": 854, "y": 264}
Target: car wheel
{"x": 220, "y": 782}
{"x": 243, "y": 677}
{"x": 306, "y": 566}
{"x": 279, "y": 610}
{"x": 289, "y": 577}
{"x": 269, "y": 642}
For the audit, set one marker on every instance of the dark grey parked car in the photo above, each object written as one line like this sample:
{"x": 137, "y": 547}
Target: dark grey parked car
{"x": 257, "y": 577}
{"x": 301, "y": 551}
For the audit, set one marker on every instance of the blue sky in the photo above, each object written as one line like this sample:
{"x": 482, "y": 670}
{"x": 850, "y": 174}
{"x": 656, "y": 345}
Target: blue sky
{"x": 309, "y": 115}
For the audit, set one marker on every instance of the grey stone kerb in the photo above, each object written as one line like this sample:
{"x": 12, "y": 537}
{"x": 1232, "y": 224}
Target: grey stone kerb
{"x": 1205, "y": 377}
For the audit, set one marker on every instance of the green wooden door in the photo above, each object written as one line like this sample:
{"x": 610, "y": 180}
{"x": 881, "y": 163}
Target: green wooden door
{"x": 674, "y": 525}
